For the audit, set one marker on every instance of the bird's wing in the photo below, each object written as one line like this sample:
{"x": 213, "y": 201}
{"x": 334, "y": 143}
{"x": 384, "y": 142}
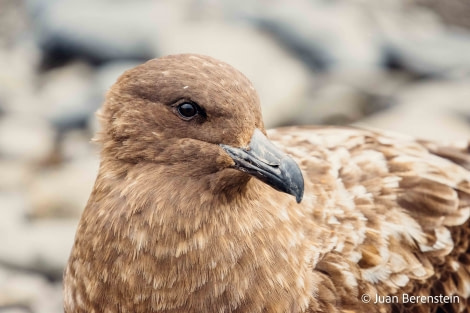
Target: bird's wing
{"x": 391, "y": 214}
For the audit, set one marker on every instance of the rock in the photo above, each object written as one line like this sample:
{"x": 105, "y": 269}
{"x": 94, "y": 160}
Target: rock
{"x": 333, "y": 104}
{"x": 28, "y": 292}
{"x": 326, "y": 35}
{"x": 13, "y": 208}
{"x": 452, "y": 12}
{"x": 16, "y": 310}
{"x": 77, "y": 144}
{"x": 41, "y": 246}
{"x": 416, "y": 40}
{"x": 96, "y": 31}
{"x": 66, "y": 96}
{"x": 15, "y": 174}
{"x": 434, "y": 110}
{"x": 12, "y": 21}
{"x": 25, "y": 138}
{"x": 64, "y": 190}
{"x": 343, "y": 97}
{"x": 281, "y": 80}
{"x": 17, "y": 78}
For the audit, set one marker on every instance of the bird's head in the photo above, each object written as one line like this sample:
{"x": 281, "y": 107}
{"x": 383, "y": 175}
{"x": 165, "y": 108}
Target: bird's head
{"x": 197, "y": 115}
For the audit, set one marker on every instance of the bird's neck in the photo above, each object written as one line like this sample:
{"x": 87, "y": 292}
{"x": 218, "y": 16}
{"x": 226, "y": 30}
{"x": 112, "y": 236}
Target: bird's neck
{"x": 199, "y": 249}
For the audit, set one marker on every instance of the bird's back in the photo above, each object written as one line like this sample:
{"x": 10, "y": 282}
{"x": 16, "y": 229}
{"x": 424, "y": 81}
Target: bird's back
{"x": 392, "y": 219}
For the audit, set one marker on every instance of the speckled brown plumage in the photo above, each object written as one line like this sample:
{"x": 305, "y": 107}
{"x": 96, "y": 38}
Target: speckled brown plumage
{"x": 173, "y": 226}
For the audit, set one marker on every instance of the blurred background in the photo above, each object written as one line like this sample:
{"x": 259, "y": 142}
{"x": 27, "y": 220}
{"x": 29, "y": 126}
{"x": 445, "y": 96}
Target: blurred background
{"x": 400, "y": 65}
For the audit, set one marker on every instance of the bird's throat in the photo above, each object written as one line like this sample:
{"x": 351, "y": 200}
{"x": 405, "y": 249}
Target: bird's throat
{"x": 189, "y": 252}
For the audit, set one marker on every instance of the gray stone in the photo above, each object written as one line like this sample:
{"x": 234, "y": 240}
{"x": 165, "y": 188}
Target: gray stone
{"x": 76, "y": 144}
{"x": 25, "y": 138}
{"x": 41, "y": 246}
{"x": 434, "y": 110}
{"x": 15, "y": 174}
{"x": 66, "y": 96}
{"x": 28, "y": 292}
{"x": 415, "y": 38}
{"x": 324, "y": 34}
{"x": 97, "y": 30}
{"x": 13, "y": 208}
{"x": 63, "y": 191}
{"x": 333, "y": 104}
{"x": 17, "y": 78}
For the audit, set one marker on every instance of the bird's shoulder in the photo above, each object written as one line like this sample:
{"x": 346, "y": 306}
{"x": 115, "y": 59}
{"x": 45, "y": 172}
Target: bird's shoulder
{"x": 392, "y": 213}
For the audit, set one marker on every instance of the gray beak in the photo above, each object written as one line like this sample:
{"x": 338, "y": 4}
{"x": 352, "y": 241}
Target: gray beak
{"x": 263, "y": 160}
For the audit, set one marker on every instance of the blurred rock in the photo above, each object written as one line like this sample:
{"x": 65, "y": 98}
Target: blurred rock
{"x": 25, "y": 138}
{"x": 434, "y": 110}
{"x": 65, "y": 96}
{"x": 41, "y": 246}
{"x": 98, "y": 31}
{"x": 77, "y": 145}
{"x": 15, "y": 174}
{"x": 64, "y": 190}
{"x": 281, "y": 80}
{"x": 334, "y": 104}
{"x": 12, "y": 21}
{"x": 324, "y": 34}
{"x": 452, "y": 12}
{"x": 26, "y": 292}
{"x": 343, "y": 97}
{"x": 15, "y": 310}
{"x": 419, "y": 43}
{"x": 13, "y": 207}
{"x": 18, "y": 77}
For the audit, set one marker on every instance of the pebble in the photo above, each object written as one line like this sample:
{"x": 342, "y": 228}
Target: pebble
{"x": 63, "y": 190}
{"x": 40, "y": 246}
{"x": 79, "y": 29}
{"x": 21, "y": 292}
{"x": 27, "y": 138}
{"x": 65, "y": 96}
{"x": 433, "y": 110}
{"x": 15, "y": 174}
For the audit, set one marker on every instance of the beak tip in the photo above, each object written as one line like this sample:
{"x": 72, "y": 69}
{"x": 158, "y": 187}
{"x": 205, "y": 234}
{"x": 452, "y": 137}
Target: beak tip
{"x": 266, "y": 162}
{"x": 299, "y": 191}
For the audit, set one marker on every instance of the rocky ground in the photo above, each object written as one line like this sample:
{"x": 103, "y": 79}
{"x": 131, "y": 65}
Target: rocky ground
{"x": 397, "y": 65}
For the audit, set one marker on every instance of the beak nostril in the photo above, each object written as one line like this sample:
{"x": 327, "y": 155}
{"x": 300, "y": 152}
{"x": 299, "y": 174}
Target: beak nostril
{"x": 269, "y": 164}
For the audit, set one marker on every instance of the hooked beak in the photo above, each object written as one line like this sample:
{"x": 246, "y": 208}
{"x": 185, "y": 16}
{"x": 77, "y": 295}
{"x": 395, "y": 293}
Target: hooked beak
{"x": 269, "y": 164}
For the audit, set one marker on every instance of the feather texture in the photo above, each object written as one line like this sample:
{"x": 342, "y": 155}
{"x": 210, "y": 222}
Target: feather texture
{"x": 172, "y": 226}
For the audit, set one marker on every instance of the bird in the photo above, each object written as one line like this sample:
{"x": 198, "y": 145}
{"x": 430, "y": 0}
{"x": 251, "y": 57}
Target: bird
{"x": 198, "y": 208}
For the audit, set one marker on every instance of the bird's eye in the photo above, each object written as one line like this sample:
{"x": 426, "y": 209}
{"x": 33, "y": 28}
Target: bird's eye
{"x": 187, "y": 110}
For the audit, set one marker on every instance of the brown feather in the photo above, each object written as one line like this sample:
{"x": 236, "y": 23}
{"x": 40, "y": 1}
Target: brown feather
{"x": 171, "y": 227}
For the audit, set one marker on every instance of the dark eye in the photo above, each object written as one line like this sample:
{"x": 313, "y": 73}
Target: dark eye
{"x": 187, "y": 110}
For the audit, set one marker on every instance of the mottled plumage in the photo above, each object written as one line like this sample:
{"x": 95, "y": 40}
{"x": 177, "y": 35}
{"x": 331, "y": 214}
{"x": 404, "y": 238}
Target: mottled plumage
{"x": 183, "y": 216}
